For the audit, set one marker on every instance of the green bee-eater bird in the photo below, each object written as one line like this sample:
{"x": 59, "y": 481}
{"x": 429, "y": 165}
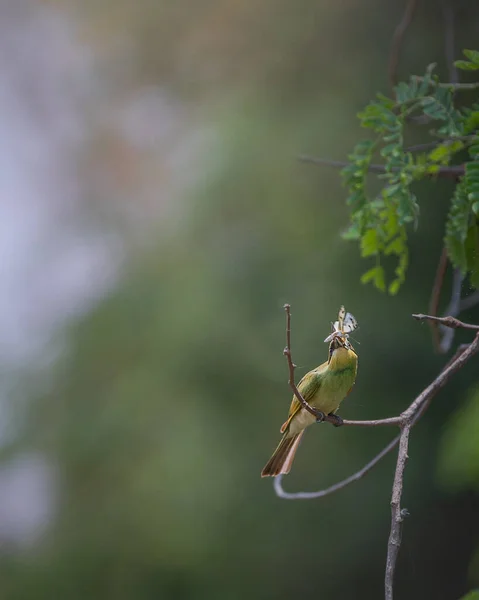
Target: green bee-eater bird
{"x": 324, "y": 388}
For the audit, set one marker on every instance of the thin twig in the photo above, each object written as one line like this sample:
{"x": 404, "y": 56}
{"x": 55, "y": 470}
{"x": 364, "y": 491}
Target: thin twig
{"x": 398, "y": 40}
{"x": 375, "y": 423}
{"x": 292, "y": 367}
{"x": 278, "y": 488}
{"x": 453, "y": 171}
{"x": 420, "y": 405}
{"x": 397, "y": 515}
{"x": 460, "y": 349}
{"x": 405, "y": 421}
{"x": 316, "y": 413}
{"x": 443, "y": 377}
{"x": 411, "y": 416}
{"x": 447, "y": 321}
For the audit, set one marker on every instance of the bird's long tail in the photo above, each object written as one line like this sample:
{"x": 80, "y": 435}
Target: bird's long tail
{"x": 282, "y": 459}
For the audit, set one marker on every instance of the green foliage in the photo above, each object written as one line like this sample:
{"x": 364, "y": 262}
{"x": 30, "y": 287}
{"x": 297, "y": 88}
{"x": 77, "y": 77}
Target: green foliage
{"x": 380, "y": 221}
{"x": 474, "y": 595}
{"x": 469, "y": 65}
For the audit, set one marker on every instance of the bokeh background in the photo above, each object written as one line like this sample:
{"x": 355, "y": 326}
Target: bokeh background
{"x": 154, "y": 220}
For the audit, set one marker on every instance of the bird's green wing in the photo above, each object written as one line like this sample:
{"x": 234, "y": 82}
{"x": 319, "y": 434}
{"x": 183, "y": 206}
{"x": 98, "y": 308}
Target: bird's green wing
{"x": 308, "y": 388}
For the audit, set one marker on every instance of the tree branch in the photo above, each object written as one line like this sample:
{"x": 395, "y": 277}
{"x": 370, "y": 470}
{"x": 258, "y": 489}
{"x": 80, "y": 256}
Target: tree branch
{"x": 316, "y": 413}
{"x": 447, "y": 321}
{"x": 410, "y": 418}
{"x": 397, "y": 515}
{"x": 278, "y": 488}
{"x": 405, "y": 421}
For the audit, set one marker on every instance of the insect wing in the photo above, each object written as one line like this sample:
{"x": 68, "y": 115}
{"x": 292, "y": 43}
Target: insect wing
{"x": 350, "y": 323}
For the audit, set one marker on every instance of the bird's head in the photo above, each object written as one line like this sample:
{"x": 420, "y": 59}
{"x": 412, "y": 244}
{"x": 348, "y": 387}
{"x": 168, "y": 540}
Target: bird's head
{"x": 339, "y": 338}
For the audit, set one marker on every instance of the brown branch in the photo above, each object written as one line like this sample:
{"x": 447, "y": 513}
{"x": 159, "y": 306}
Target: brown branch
{"x": 320, "y": 416}
{"x": 447, "y": 322}
{"x": 451, "y": 171}
{"x": 398, "y": 40}
{"x": 405, "y": 421}
{"x": 419, "y": 406}
{"x": 291, "y": 367}
{"x": 278, "y": 488}
{"x": 410, "y": 417}
{"x": 397, "y": 515}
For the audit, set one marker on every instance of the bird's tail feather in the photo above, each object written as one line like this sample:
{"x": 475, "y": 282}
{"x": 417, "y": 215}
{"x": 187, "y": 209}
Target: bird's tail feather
{"x": 282, "y": 459}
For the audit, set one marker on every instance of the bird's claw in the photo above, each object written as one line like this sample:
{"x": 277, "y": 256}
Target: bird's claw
{"x": 336, "y": 420}
{"x": 320, "y": 416}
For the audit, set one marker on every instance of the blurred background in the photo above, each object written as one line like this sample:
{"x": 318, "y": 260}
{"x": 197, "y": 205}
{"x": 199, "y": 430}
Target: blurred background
{"x": 154, "y": 220}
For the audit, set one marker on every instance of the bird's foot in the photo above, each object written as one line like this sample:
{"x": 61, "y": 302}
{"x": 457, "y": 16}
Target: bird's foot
{"x": 320, "y": 416}
{"x": 336, "y": 420}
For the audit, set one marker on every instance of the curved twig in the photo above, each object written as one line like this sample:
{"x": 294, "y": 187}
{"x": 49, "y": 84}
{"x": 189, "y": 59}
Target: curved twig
{"x": 278, "y": 488}
{"x": 406, "y": 420}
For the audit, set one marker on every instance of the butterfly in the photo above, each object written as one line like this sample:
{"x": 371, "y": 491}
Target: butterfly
{"x": 343, "y": 326}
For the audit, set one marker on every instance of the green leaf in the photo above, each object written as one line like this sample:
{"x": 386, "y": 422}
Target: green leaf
{"x": 376, "y": 275}
{"x": 457, "y": 226}
{"x": 395, "y": 247}
{"x": 394, "y": 287}
{"x": 472, "y": 55}
{"x": 369, "y": 243}
{"x": 352, "y": 233}
{"x": 465, "y": 65}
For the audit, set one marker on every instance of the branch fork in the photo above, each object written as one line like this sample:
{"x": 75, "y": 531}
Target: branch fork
{"x": 405, "y": 421}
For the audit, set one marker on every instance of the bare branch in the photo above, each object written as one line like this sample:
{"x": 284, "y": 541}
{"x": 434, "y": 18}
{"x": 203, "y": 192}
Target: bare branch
{"x": 406, "y": 420}
{"x": 426, "y": 395}
{"x": 397, "y": 515}
{"x": 447, "y": 321}
{"x": 291, "y": 367}
{"x": 278, "y": 488}
{"x": 374, "y": 423}
{"x": 420, "y": 405}
{"x": 316, "y": 413}
{"x": 411, "y": 416}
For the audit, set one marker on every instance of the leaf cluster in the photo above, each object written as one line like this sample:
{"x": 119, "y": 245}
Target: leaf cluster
{"x": 380, "y": 222}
